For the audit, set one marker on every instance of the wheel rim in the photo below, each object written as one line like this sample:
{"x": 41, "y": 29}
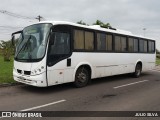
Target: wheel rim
{"x": 82, "y": 77}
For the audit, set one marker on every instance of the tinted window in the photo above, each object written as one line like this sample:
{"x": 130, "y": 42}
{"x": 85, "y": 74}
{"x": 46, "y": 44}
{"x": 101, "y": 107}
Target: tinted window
{"x": 133, "y": 45}
{"x": 83, "y": 40}
{"x": 101, "y": 41}
{"x": 123, "y": 44}
{"x": 151, "y": 46}
{"x": 143, "y": 45}
{"x": 109, "y": 42}
{"x": 120, "y": 43}
{"x": 61, "y": 44}
{"x": 104, "y": 42}
{"x": 89, "y": 40}
{"x": 78, "y": 39}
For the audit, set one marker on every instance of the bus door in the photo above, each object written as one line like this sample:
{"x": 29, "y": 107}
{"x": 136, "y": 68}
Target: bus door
{"x": 58, "y": 54}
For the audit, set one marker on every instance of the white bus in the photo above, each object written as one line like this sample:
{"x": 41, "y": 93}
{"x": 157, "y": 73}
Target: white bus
{"x": 55, "y": 52}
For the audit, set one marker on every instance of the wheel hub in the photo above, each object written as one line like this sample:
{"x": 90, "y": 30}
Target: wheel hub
{"x": 82, "y": 77}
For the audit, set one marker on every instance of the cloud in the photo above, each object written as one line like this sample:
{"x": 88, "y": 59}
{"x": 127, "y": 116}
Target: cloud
{"x": 129, "y": 15}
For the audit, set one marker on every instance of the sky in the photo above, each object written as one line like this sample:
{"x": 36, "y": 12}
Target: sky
{"x": 130, "y": 15}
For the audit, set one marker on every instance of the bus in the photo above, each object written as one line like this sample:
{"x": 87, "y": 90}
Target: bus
{"x": 55, "y": 52}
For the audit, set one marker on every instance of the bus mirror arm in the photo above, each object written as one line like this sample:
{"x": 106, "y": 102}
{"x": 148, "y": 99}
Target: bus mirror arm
{"x": 13, "y": 36}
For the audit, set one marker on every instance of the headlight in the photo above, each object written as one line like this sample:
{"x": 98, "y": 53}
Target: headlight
{"x": 38, "y": 70}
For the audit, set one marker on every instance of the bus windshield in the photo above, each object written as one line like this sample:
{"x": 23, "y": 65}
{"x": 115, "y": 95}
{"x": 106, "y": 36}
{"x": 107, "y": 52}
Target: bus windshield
{"x": 31, "y": 44}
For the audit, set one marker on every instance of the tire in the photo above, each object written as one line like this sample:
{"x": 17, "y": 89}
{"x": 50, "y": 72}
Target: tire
{"x": 138, "y": 70}
{"x": 81, "y": 77}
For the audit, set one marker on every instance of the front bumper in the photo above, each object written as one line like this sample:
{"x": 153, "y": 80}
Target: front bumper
{"x": 36, "y": 80}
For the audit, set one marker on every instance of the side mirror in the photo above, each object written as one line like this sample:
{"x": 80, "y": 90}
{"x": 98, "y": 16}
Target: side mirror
{"x": 13, "y": 39}
{"x": 13, "y": 36}
{"x": 52, "y": 37}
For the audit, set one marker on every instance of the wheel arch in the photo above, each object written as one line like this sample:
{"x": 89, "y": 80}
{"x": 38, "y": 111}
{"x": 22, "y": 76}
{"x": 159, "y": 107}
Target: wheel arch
{"x": 139, "y": 62}
{"x": 85, "y": 64}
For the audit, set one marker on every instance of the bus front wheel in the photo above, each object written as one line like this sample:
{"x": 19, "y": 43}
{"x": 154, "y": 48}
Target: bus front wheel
{"x": 138, "y": 70}
{"x": 81, "y": 77}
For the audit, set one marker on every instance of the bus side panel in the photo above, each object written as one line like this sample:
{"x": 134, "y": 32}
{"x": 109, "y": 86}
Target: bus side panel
{"x": 107, "y": 64}
{"x": 60, "y": 73}
{"x": 148, "y": 61}
{"x": 104, "y": 64}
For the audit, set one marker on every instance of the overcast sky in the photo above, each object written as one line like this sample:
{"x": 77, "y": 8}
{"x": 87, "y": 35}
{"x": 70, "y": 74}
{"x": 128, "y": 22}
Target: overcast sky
{"x": 131, "y": 15}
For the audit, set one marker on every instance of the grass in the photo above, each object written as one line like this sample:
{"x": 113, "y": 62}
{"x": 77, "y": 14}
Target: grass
{"x": 158, "y": 61}
{"x": 6, "y": 69}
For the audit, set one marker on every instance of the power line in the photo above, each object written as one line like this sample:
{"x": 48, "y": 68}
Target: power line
{"x": 10, "y": 27}
{"x": 20, "y": 16}
{"x": 15, "y": 15}
{"x": 6, "y": 33}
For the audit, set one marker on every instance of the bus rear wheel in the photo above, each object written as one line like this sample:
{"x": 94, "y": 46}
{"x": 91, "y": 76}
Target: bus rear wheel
{"x": 81, "y": 77}
{"x": 138, "y": 70}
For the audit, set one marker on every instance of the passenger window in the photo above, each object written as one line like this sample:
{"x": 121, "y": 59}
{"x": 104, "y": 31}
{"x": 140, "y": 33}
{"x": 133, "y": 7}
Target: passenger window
{"x": 61, "y": 44}
{"x": 133, "y": 45}
{"x": 101, "y": 41}
{"x": 123, "y": 44}
{"x": 83, "y": 40}
{"x": 89, "y": 41}
{"x": 78, "y": 39}
{"x": 117, "y": 43}
{"x": 120, "y": 44}
{"x": 104, "y": 42}
{"x": 151, "y": 47}
{"x": 143, "y": 45}
{"x": 109, "y": 42}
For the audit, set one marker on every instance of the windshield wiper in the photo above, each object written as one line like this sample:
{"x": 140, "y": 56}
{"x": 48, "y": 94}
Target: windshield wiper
{"x": 25, "y": 44}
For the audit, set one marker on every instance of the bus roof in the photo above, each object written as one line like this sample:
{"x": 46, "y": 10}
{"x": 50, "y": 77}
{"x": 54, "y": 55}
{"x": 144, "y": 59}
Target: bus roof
{"x": 96, "y": 27}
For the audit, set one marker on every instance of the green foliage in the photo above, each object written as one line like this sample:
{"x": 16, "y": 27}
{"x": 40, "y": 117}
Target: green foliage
{"x": 157, "y": 51}
{"x": 82, "y": 23}
{"x": 6, "y": 75}
{"x": 157, "y": 54}
{"x": 98, "y": 22}
{"x": 104, "y": 25}
{"x": 7, "y": 49}
{"x": 158, "y": 61}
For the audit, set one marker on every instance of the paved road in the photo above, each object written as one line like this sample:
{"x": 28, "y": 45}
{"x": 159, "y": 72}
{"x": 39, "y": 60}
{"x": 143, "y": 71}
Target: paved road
{"x": 117, "y": 93}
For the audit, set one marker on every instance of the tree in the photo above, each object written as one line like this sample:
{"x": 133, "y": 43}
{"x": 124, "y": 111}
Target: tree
{"x": 157, "y": 51}
{"x": 82, "y": 23}
{"x": 104, "y": 25}
{"x": 98, "y": 22}
{"x": 7, "y": 49}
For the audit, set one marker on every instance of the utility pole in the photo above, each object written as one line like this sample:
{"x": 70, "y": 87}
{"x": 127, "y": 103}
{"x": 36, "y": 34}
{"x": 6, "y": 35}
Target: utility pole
{"x": 39, "y": 18}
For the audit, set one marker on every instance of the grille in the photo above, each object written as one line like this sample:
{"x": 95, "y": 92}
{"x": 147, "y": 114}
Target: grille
{"x": 19, "y": 71}
{"x": 27, "y": 72}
